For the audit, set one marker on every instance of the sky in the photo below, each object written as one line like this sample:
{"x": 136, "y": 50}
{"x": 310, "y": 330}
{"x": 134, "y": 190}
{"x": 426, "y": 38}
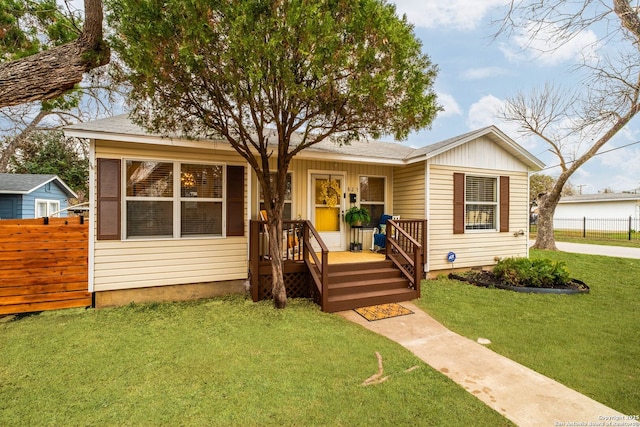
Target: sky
{"x": 477, "y": 72}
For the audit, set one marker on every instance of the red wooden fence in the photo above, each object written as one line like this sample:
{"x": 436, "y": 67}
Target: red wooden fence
{"x": 43, "y": 264}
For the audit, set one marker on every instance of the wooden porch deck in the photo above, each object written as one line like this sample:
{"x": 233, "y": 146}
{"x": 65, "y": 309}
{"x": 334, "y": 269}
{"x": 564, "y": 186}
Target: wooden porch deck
{"x": 342, "y": 280}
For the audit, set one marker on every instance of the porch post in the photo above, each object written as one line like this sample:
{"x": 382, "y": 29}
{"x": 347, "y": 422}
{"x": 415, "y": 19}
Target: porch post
{"x": 254, "y": 258}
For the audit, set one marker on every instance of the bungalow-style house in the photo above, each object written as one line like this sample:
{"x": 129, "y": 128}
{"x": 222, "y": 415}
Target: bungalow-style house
{"x": 33, "y": 196}
{"x": 176, "y": 218}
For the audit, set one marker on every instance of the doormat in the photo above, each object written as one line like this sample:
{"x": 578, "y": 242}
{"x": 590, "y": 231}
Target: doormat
{"x": 382, "y": 311}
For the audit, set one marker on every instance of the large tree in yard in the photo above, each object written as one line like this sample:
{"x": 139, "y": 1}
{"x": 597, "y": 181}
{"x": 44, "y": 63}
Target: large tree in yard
{"x": 607, "y": 95}
{"x": 244, "y": 69}
{"x": 45, "y": 52}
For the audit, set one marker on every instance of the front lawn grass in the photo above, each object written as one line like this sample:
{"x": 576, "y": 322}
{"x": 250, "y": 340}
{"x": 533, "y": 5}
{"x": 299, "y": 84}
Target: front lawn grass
{"x": 608, "y": 239}
{"x": 587, "y": 342}
{"x": 223, "y": 361}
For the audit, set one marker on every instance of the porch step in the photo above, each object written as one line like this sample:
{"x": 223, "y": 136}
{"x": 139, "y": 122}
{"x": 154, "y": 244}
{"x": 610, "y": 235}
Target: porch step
{"x": 364, "y": 284}
{"x": 349, "y": 302}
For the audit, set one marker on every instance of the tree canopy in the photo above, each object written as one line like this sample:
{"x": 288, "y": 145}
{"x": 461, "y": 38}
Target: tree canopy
{"x": 242, "y": 69}
{"x": 52, "y": 153}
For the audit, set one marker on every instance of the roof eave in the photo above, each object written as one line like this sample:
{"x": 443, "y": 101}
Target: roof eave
{"x": 221, "y": 145}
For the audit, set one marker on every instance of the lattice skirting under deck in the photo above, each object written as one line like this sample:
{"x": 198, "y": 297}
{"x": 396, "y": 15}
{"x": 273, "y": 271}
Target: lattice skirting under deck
{"x": 297, "y": 285}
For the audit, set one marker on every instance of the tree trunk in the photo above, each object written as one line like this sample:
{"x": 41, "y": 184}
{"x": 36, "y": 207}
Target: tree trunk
{"x": 275, "y": 248}
{"x": 545, "y": 238}
{"x": 51, "y": 73}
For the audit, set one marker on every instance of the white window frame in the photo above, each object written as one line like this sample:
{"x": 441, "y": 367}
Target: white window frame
{"x": 176, "y": 200}
{"x": 367, "y": 202}
{"x": 495, "y": 204}
{"x": 48, "y": 204}
{"x": 286, "y": 201}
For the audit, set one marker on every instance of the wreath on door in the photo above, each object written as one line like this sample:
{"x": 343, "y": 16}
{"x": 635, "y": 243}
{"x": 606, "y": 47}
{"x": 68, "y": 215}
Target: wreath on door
{"x": 330, "y": 192}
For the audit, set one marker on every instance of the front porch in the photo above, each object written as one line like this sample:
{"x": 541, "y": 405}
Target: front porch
{"x": 339, "y": 280}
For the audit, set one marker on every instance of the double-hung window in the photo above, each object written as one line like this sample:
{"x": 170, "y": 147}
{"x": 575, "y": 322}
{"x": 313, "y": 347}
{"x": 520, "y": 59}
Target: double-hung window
{"x": 372, "y": 197}
{"x": 45, "y": 208}
{"x": 287, "y": 213}
{"x": 171, "y": 199}
{"x": 481, "y": 203}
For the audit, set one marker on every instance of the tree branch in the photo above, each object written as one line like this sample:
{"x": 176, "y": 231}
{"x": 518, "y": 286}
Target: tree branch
{"x": 50, "y": 73}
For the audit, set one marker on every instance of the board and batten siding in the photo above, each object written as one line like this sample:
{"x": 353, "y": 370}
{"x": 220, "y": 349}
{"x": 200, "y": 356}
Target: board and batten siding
{"x": 140, "y": 263}
{"x": 480, "y": 153}
{"x": 409, "y": 193}
{"x": 474, "y": 248}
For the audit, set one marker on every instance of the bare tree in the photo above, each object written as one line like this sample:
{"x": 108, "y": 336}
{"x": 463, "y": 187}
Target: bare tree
{"x": 96, "y": 96}
{"x": 52, "y": 72}
{"x": 576, "y": 125}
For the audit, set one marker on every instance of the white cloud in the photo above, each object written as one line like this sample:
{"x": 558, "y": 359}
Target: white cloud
{"x": 541, "y": 47}
{"x": 486, "y": 112}
{"x": 451, "y": 107}
{"x": 459, "y": 14}
{"x": 483, "y": 73}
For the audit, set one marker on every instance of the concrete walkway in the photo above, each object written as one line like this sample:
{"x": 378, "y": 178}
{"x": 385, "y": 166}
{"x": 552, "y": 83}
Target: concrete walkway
{"x": 519, "y": 393}
{"x": 580, "y": 248}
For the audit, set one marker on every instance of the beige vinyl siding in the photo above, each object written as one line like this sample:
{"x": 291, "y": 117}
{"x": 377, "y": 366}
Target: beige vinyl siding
{"x": 409, "y": 191}
{"x": 300, "y": 169}
{"x": 480, "y": 153}
{"x": 474, "y": 248}
{"x": 158, "y": 262}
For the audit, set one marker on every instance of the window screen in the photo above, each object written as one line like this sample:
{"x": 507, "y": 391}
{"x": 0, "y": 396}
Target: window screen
{"x": 481, "y": 203}
{"x": 372, "y": 190}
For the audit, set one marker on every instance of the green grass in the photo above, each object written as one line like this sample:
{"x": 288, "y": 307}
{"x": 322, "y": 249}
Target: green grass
{"x": 587, "y": 342}
{"x": 609, "y": 239}
{"x": 217, "y": 362}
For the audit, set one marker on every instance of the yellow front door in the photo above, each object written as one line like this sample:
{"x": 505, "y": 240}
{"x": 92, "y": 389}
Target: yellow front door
{"x": 328, "y": 195}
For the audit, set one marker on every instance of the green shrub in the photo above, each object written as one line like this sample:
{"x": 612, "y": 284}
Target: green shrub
{"x": 538, "y": 273}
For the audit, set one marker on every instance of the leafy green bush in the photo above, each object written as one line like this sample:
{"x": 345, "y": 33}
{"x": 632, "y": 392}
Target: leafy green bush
{"x": 537, "y": 273}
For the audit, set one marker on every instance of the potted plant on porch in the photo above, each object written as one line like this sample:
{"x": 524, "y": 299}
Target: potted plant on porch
{"x": 356, "y": 216}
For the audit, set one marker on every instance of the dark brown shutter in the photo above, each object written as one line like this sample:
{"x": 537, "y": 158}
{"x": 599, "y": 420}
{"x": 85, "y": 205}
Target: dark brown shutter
{"x": 504, "y": 203}
{"x": 458, "y": 203}
{"x": 108, "y": 221}
{"x": 235, "y": 201}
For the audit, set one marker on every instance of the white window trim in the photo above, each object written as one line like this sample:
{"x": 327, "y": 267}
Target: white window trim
{"x": 386, "y": 195}
{"x": 291, "y": 201}
{"x": 48, "y": 203}
{"x": 496, "y": 204}
{"x": 176, "y": 199}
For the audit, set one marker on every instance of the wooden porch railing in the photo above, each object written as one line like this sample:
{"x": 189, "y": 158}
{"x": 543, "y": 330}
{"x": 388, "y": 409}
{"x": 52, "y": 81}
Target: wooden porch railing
{"x": 319, "y": 268}
{"x": 299, "y": 238}
{"x": 404, "y": 249}
{"x": 307, "y": 268}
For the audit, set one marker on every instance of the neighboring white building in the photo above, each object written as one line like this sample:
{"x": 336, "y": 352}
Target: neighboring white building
{"x": 600, "y": 206}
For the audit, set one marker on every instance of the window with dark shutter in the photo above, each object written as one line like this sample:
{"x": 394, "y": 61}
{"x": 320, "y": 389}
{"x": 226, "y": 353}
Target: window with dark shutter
{"x": 504, "y": 204}
{"x": 458, "y": 203}
{"x": 475, "y": 203}
{"x": 235, "y": 201}
{"x": 108, "y": 185}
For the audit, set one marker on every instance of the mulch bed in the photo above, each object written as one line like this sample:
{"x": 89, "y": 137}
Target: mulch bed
{"x": 487, "y": 279}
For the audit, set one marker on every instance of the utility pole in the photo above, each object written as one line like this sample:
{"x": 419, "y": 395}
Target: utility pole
{"x": 580, "y": 187}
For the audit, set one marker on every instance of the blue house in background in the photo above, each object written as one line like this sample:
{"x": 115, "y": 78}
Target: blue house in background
{"x": 32, "y": 196}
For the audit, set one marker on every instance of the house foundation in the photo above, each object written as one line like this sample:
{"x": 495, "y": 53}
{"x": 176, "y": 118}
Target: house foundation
{"x": 185, "y": 292}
